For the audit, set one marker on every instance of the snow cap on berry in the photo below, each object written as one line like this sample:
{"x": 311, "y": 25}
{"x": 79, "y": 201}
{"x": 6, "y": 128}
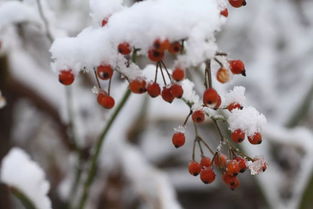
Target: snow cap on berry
{"x": 237, "y": 95}
{"x": 257, "y": 166}
{"x": 248, "y": 120}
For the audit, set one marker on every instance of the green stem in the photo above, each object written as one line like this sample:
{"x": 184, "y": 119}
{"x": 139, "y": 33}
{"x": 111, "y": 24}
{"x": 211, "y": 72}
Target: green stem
{"x": 94, "y": 159}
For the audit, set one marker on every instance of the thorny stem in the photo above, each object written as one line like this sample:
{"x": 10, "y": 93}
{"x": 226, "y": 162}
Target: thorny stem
{"x": 95, "y": 156}
{"x": 45, "y": 21}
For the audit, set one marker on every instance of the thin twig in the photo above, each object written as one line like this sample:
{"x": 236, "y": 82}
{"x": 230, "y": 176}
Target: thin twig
{"x": 188, "y": 116}
{"x": 168, "y": 73}
{"x": 97, "y": 79}
{"x": 209, "y": 73}
{"x": 45, "y": 21}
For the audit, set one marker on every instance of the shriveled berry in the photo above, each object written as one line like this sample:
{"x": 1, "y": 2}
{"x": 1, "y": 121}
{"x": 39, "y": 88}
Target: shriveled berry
{"x": 233, "y": 106}
{"x": 175, "y": 47}
{"x": 207, "y": 175}
{"x": 224, "y": 12}
{"x": 242, "y": 164}
{"x": 178, "y": 74}
{"x": 237, "y": 67}
{"x": 124, "y": 48}
{"x": 104, "y": 72}
{"x": 167, "y": 94}
{"x": 154, "y": 89}
{"x": 177, "y": 90}
{"x": 66, "y": 77}
{"x": 232, "y": 168}
{"x": 194, "y": 168}
{"x": 178, "y": 139}
{"x": 205, "y": 162}
{"x": 220, "y": 160}
{"x": 238, "y": 136}
{"x": 138, "y": 86}
{"x": 198, "y": 116}
{"x": 237, "y": 3}
{"x": 210, "y": 96}
{"x": 222, "y": 75}
{"x": 155, "y": 55}
{"x": 256, "y": 138}
{"x": 105, "y": 100}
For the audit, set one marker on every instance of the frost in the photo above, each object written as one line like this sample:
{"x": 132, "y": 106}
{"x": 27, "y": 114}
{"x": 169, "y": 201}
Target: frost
{"x": 236, "y": 95}
{"x": 15, "y": 12}
{"x": 257, "y": 166}
{"x": 248, "y": 120}
{"x": 180, "y": 129}
{"x": 20, "y": 172}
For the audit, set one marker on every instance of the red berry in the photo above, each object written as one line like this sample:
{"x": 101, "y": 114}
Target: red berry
{"x": 175, "y": 47}
{"x": 256, "y": 138}
{"x": 233, "y": 168}
{"x": 233, "y": 106}
{"x": 154, "y": 89}
{"x": 124, "y": 48}
{"x": 237, "y": 3}
{"x": 228, "y": 179}
{"x": 210, "y": 96}
{"x": 155, "y": 55}
{"x": 238, "y": 136}
{"x": 178, "y": 139}
{"x": 161, "y": 45}
{"x": 222, "y": 75}
{"x": 104, "y": 72}
{"x": 177, "y": 90}
{"x": 137, "y": 86}
{"x": 105, "y": 100}
{"x": 178, "y": 74}
{"x": 224, "y": 12}
{"x": 194, "y": 168}
{"x": 66, "y": 77}
{"x": 220, "y": 160}
{"x": 237, "y": 67}
{"x": 218, "y": 103}
{"x": 205, "y": 162}
{"x": 235, "y": 184}
{"x": 207, "y": 175}
{"x": 242, "y": 164}
{"x": 167, "y": 94}
{"x": 198, "y": 116}
{"x": 104, "y": 22}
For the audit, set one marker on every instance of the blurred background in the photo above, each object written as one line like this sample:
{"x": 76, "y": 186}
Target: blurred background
{"x": 139, "y": 167}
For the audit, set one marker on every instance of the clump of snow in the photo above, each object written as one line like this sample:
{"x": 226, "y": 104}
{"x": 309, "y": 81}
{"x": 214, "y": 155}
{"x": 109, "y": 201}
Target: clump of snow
{"x": 14, "y": 12}
{"x": 3, "y": 101}
{"x": 257, "y": 166}
{"x": 101, "y": 9}
{"x": 190, "y": 94}
{"x": 248, "y": 120}
{"x": 20, "y": 172}
{"x": 140, "y": 25}
{"x": 236, "y": 95}
{"x": 180, "y": 129}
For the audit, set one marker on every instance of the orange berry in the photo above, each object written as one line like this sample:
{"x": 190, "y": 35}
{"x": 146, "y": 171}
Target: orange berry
{"x": 161, "y": 45}
{"x": 137, "y": 86}
{"x": 233, "y": 106}
{"x": 207, "y": 175}
{"x": 155, "y": 55}
{"x": 242, "y": 164}
{"x": 167, "y": 95}
{"x": 237, "y": 67}
{"x": 210, "y": 96}
{"x": 220, "y": 160}
{"x": 178, "y": 74}
{"x": 124, "y": 48}
{"x": 198, "y": 116}
{"x": 104, "y": 72}
{"x": 256, "y": 138}
{"x": 235, "y": 184}
{"x": 105, "y": 100}
{"x": 222, "y": 75}
{"x": 205, "y": 162}
{"x": 194, "y": 168}
{"x": 238, "y": 136}
{"x": 154, "y": 89}
{"x": 237, "y": 3}
{"x": 177, "y": 90}
{"x": 175, "y": 47}
{"x": 66, "y": 77}
{"x": 232, "y": 168}
{"x": 228, "y": 179}
{"x": 224, "y": 12}
{"x": 178, "y": 139}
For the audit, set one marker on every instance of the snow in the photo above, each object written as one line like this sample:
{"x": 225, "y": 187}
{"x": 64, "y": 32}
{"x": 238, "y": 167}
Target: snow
{"x": 20, "y": 172}
{"x": 257, "y": 166}
{"x": 104, "y": 9}
{"x": 236, "y": 95}
{"x": 248, "y": 120}
{"x": 12, "y": 12}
